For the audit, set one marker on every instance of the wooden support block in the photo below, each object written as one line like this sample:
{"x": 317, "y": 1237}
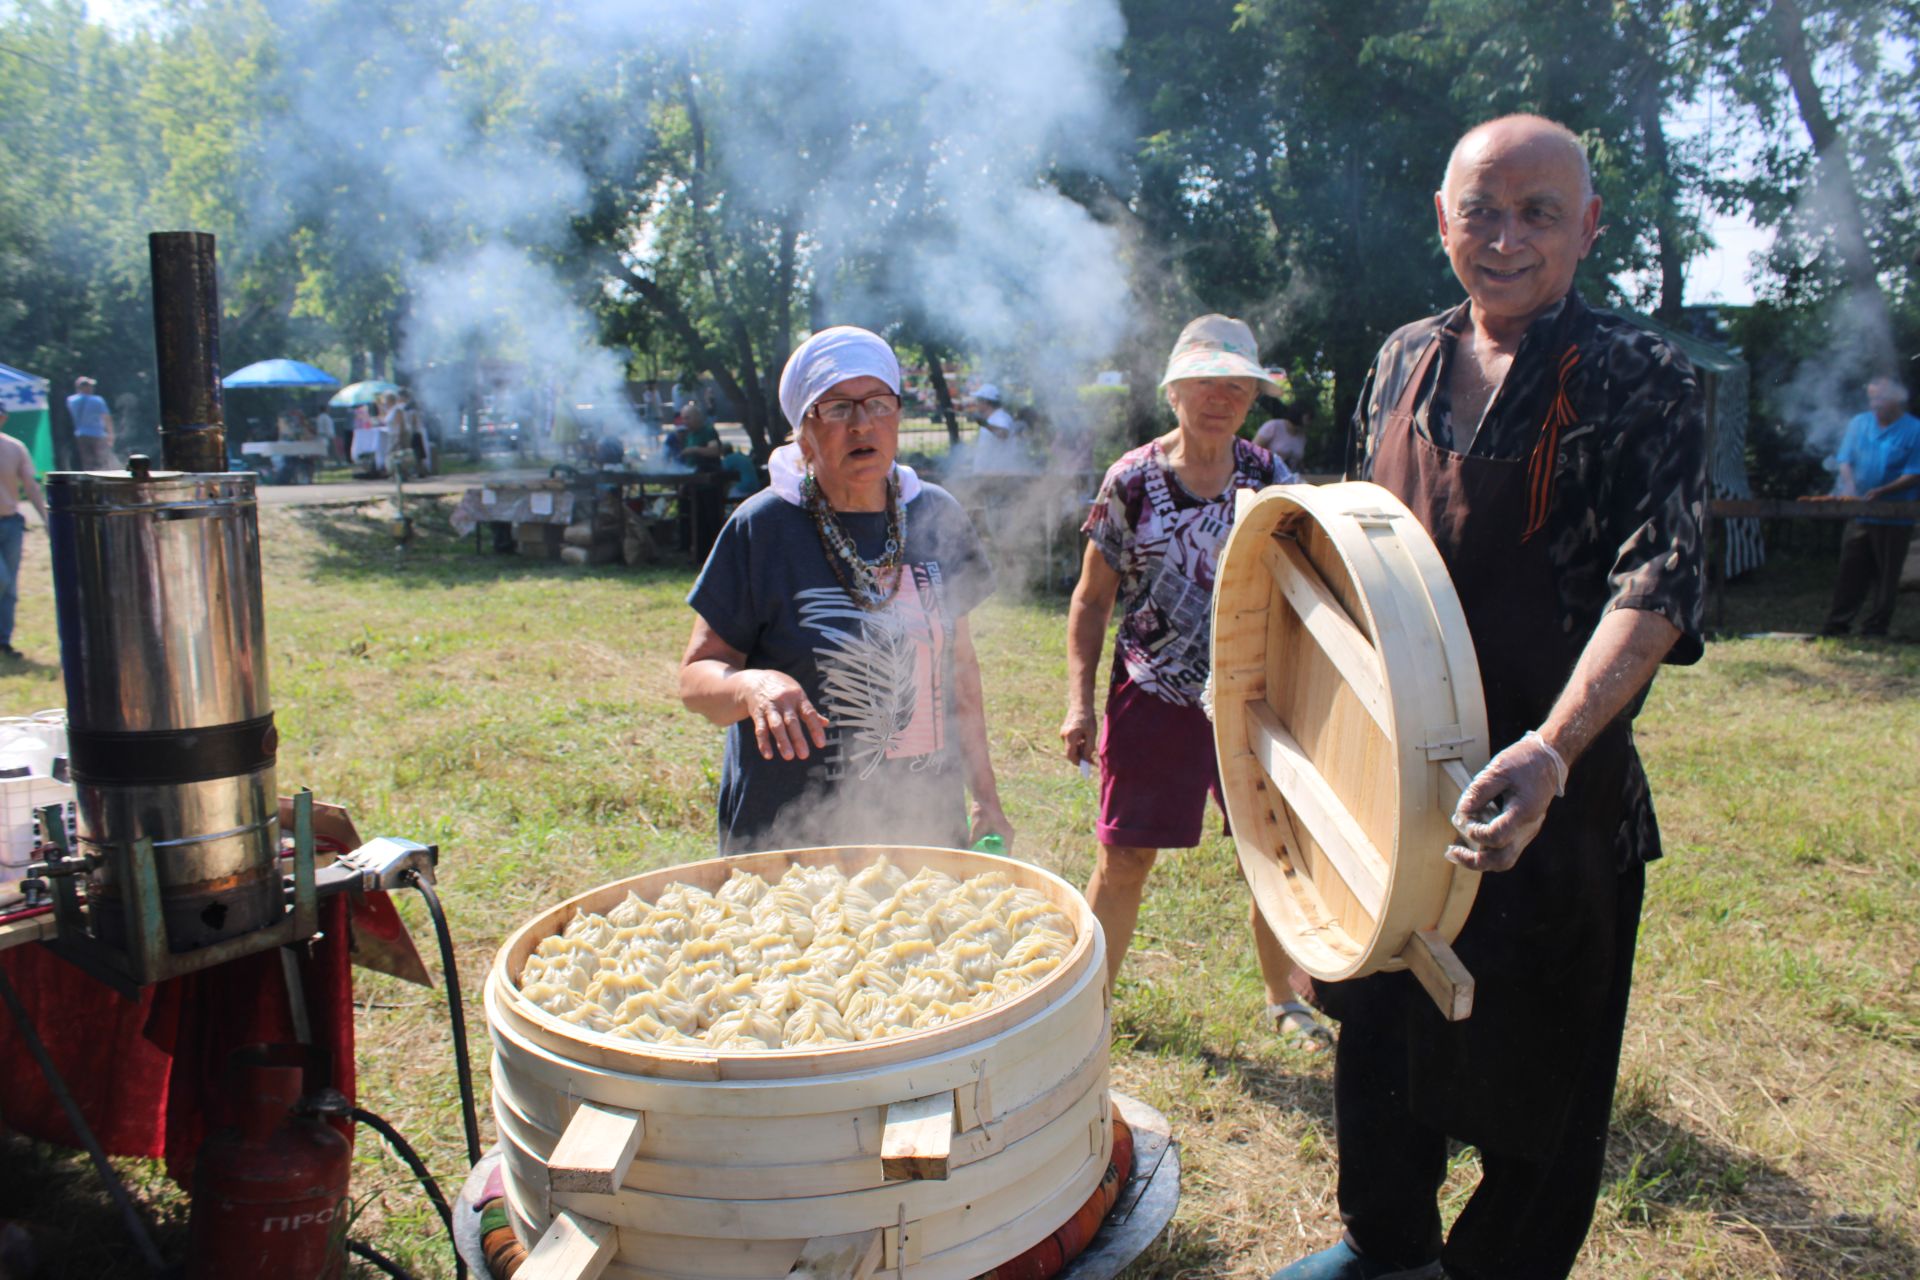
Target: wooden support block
{"x": 850, "y": 1257}
{"x": 1318, "y": 809}
{"x": 973, "y": 1105}
{"x": 1441, "y": 973}
{"x": 595, "y": 1151}
{"x": 900, "y": 1245}
{"x": 918, "y": 1140}
{"x": 571, "y": 1248}
{"x": 1326, "y": 620}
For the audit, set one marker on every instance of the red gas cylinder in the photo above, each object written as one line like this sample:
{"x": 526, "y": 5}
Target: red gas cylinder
{"x": 270, "y": 1196}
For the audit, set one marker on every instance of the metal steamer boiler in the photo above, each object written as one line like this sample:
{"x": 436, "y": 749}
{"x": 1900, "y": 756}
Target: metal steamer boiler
{"x": 163, "y": 644}
{"x": 175, "y": 863}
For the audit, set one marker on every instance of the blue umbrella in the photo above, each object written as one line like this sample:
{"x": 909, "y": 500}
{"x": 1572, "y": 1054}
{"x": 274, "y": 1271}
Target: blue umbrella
{"x": 279, "y": 373}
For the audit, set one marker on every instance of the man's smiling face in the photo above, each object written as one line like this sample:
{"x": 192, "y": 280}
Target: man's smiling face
{"x": 1516, "y": 216}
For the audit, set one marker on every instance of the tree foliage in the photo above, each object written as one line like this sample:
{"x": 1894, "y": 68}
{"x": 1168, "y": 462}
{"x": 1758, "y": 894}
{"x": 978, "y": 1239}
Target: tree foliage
{"x": 371, "y": 168}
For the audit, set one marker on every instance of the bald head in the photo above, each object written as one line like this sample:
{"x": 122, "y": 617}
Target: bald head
{"x": 1534, "y": 138}
{"x": 1516, "y": 216}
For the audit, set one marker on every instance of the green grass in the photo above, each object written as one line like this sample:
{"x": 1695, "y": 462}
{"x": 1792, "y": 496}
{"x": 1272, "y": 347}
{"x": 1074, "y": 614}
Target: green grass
{"x": 523, "y": 717}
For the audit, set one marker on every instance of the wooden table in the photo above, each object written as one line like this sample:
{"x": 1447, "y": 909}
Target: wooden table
{"x": 17, "y": 933}
{"x": 1785, "y": 509}
{"x": 697, "y": 517}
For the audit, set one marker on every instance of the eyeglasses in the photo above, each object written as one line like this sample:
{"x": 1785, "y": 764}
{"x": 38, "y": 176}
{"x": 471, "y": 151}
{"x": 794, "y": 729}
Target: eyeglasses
{"x": 883, "y": 407}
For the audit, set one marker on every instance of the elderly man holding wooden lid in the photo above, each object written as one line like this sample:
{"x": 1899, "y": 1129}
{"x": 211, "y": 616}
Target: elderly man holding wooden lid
{"x": 1556, "y": 454}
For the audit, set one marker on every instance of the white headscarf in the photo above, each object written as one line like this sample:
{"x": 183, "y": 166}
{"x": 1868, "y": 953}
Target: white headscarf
{"x": 828, "y": 358}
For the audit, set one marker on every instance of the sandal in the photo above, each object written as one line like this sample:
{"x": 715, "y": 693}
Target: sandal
{"x": 1295, "y": 1021}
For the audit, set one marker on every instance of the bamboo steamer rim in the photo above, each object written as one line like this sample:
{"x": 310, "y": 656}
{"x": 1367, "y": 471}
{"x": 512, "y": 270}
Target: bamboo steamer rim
{"x": 1396, "y": 593}
{"x": 680, "y": 1063}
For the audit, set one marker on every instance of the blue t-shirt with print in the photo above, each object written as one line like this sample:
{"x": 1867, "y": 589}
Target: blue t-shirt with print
{"x": 891, "y": 770}
{"x": 1880, "y": 454}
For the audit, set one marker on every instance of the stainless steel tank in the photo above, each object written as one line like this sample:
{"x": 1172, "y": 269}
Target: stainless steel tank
{"x": 163, "y": 644}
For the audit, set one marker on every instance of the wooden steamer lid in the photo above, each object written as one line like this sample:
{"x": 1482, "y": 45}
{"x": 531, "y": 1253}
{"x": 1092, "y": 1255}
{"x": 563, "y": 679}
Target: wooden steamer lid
{"x": 1348, "y": 717}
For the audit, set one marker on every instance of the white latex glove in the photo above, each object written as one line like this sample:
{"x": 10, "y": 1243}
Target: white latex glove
{"x": 1502, "y": 809}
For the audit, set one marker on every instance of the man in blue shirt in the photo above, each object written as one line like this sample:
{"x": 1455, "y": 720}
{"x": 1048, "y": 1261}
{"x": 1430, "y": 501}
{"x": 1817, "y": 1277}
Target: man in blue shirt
{"x": 1879, "y": 462}
{"x": 92, "y": 428}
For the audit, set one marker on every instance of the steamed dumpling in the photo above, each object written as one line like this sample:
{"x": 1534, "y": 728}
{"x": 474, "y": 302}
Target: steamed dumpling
{"x": 813, "y": 958}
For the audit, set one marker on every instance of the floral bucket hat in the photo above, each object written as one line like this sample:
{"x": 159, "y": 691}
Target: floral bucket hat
{"x": 1219, "y": 346}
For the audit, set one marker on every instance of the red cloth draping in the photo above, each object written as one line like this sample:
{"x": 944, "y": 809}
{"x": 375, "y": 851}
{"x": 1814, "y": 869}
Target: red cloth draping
{"x": 150, "y": 1074}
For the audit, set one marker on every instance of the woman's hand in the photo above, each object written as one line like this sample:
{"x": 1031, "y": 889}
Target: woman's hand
{"x": 986, "y": 818}
{"x": 783, "y": 718}
{"x": 1080, "y": 732}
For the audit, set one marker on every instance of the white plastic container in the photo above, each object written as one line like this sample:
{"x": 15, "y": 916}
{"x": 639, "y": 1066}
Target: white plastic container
{"x": 20, "y": 799}
{"x": 53, "y": 729}
{"x": 23, "y": 744}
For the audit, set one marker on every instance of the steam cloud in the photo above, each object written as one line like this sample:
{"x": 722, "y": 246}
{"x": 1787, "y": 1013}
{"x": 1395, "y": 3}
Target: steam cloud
{"x": 1830, "y": 388}
{"x": 913, "y": 136}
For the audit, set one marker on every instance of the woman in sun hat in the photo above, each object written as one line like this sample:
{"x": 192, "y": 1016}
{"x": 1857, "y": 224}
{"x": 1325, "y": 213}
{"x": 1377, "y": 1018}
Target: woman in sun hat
{"x": 830, "y": 631}
{"x": 1154, "y": 536}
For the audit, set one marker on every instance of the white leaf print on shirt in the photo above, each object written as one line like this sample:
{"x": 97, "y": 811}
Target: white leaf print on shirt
{"x": 868, "y": 669}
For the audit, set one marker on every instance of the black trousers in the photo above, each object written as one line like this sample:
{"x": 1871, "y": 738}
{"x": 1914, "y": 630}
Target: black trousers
{"x": 1871, "y": 557}
{"x": 1528, "y": 1217}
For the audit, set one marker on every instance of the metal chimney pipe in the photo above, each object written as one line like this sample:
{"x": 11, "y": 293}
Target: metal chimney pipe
{"x": 186, "y": 338}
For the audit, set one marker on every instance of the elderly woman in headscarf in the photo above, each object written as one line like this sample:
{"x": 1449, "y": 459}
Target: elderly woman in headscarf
{"x": 1153, "y": 541}
{"x": 830, "y": 631}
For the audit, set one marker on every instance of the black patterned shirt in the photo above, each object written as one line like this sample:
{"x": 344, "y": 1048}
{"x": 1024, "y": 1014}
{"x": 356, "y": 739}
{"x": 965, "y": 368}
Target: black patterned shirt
{"x": 1626, "y": 516}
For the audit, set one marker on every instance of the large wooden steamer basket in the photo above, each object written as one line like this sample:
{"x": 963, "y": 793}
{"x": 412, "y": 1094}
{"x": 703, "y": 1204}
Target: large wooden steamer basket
{"x": 1348, "y": 717}
{"x": 939, "y": 1154}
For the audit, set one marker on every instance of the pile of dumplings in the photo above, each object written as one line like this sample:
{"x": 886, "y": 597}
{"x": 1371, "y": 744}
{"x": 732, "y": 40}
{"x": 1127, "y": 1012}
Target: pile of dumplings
{"x": 813, "y": 959}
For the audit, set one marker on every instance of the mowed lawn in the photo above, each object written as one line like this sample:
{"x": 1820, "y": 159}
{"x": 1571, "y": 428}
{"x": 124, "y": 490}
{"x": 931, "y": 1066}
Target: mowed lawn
{"x": 522, "y": 716}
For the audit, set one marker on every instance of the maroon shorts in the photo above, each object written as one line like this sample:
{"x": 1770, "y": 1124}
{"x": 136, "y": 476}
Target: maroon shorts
{"x": 1156, "y": 769}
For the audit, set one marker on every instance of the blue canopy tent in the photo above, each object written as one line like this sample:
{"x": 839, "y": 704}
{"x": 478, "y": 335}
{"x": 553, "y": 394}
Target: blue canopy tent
{"x": 24, "y": 397}
{"x": 278, "y": 373}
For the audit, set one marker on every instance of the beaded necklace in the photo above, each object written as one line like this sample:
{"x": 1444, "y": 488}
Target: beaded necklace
{"x": 871, "y": 584}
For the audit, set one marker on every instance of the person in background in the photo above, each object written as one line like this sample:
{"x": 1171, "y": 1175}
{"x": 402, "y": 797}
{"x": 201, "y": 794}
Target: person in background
{"x": 1000, "y": 446}
{"x": 16, "y": 478}
{"x": 1557, "y": 456}
{"x": 1879, "y": 462}
{"x": 1154, "y": 537}
{"x": 1285, "y": 437}
{"x": 830, "y": 633}
{"x": 416, "y": 436}
{"x": 699, "y": 442}
{"x": 323, "y": 430}
{"x": 739, "y": 465}
{"x": 700, "y": 450}
{"x": 92, "y": 428}
{"x": 393, "y": 418}
{"x": 377, "y": 447}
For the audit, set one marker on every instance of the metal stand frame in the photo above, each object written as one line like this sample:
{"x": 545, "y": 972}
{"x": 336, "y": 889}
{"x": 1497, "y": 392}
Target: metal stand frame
{"x": 148, "y": 959}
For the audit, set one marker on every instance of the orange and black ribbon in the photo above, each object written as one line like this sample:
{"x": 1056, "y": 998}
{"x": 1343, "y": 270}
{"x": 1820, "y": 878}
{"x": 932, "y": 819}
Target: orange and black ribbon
{"x": 1560, "y": 415}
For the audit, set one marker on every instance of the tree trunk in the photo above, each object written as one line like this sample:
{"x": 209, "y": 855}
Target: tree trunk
{"x": 752, "y": 401}
{"x": 1666, "y": 211}
{"x": 668, "y": 308}
{"x": 936, "y": 356}
{"x": 1834, "y": 186}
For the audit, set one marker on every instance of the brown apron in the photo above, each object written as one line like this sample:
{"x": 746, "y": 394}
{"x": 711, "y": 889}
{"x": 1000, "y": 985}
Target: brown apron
{"x": 1540, "y": 939}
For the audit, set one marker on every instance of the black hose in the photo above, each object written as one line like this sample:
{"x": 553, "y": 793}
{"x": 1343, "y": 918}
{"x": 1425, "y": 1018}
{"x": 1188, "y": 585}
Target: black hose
{"x": 404, "y": 1149}
{"x": 468, "y": 1111}
{"x": 368, "y": 1253}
